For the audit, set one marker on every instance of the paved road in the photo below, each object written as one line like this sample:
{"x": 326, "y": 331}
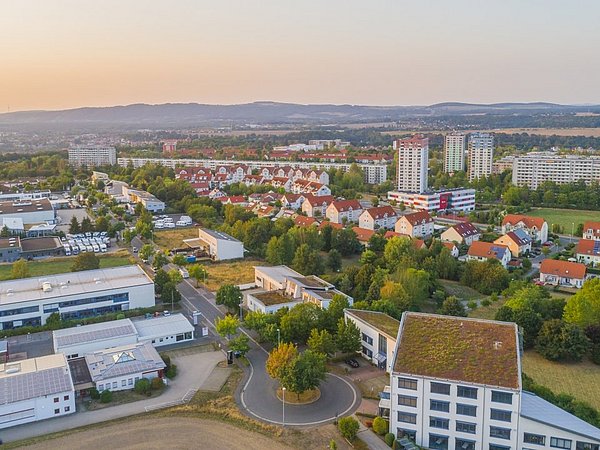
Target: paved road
{"x": 338, "y": 396}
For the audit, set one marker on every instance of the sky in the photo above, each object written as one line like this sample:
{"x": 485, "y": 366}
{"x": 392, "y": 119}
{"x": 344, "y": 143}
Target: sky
{"x": 59, "y": 54}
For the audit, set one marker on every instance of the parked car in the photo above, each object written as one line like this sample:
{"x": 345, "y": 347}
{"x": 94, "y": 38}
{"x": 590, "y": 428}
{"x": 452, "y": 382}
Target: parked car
{"x": 352, "y": 363}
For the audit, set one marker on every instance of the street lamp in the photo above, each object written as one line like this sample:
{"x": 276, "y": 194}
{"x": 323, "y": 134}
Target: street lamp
{"x": 278, "y": 337}
{"x": 241, "y": 312}
{"x": 283, "y": 389}
{"x": 572, "y": 230}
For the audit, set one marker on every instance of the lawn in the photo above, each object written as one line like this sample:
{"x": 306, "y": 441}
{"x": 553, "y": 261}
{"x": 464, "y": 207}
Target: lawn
{"x": 564, "y": 217}
{"x": 460, "y": 291}
{"x": 169, "y": 239}
{"x": 236, "y": 272}
{"x": 487, "y": 312}
{"x": 578, "y": 379}
{"x": 53, "y": 266}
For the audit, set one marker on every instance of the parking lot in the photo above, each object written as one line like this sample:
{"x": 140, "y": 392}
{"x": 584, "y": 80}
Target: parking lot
{"x": 170, "y": 221}
{"x": 64, "y": 217}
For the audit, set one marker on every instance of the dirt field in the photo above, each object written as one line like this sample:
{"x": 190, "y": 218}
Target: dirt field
{"x": 176, "y": 432}
{"x": 236, "y": 272}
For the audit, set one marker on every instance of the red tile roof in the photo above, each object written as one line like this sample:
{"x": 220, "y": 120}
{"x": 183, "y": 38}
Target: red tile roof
{"x": 588, "y": 247}
{"x": 565, "y": 269}
{"x": 482, "y": 249}
{"x": 466, "y": 229}
{"x": 390, "y": 234}
{"x": 317, "y": 200}
{"x": 303, "y": 221}
{"x": 594, "y": 226}
{"x": 346, "y": 205}
{"x": 418, "y": 218}
{"x": 325, "y": 223}
{"x": 381, "y": 212}
{"x": 363, "y": 234}
{"x": 529, "y": 221}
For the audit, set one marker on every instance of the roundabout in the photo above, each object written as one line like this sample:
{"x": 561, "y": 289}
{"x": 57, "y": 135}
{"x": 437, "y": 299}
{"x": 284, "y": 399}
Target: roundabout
{"x": 306, "y": 398}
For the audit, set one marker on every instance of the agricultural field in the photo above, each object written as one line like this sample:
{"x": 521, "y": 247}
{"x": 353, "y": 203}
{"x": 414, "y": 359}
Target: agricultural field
{"x": 578, "y": 379}
{"x": 53, "y": 266}
{"x": 564, "y": 217}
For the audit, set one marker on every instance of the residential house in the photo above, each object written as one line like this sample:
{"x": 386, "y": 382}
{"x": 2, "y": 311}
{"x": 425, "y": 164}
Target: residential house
{"x": 461, "y": 233}
{"x": 536, "y": 227}
{"x": 518, "y": 241}
{"x": 591, "y": 230}
{"x": 344, "y": 211}
{"x": 452, "y": 248}
{"x": 419, "y": 224}
{"x": 562, "y": 273}
{"x": 304, "y": 222}
{"x": 281, "y": 182}
{"x": 588, "y": 251}
{"x": 482, "y": 251}
{"x": 315, "y": 206}
{"x": 379, "y": 217}
{"x": 236, "y": 200}
{"x": 293, "y": 201}
{"x": 310, "y": 187}
{"x": 363, "y": 235}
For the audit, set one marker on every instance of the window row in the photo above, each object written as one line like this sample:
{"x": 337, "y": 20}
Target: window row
{"x": 461, "y": 391}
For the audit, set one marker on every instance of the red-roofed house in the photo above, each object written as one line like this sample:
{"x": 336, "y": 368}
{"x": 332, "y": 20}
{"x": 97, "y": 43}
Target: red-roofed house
{"x": 293, "y": 201}
{"x": 419, "y": 224}
{"x": 305, "y": 222}
{"x": 238, "y": 200}
{"x": 482, "y": 251}
{"x": 562, "y": 273}
{"x": 390, "y": 234}
{"x": 588, "y": 251}
{"x": 310, "y": 187}
{"x": 314, "y": 206}
{"x": 591, "y": 230}
{"x": 363, "y": 235}
{"x": 341, "y": 211}
{"x": 327, "y": 223}
{"x": 380, "y": 217}
{"x": 536, "y": 227}
{"x": 461, "y": 233}
{"x": 452, "y": 248}
{"x": 518, "y": 241}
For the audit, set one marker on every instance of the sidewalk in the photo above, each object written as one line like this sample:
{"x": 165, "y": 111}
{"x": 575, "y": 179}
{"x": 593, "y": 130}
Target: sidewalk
{"x": 193, "y": 371}
{"x": 371, "y": 439}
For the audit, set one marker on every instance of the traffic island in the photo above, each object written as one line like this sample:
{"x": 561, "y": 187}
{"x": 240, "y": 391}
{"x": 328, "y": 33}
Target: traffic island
{"x": 306, "y": 398}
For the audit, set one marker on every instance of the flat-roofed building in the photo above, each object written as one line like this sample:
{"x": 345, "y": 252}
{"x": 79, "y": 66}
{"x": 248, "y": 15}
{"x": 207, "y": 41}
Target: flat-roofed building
{"x": 146, "y": 199}
{"x": 271, "y": 301}
{"x": 35, "y": 389}
{"x": 74, "y": 295}
{"x": 481, "y": 155}
{"x": 92, "y": 155}
{"x": 413, "y": 162}
{"x": 29, "y": 211}
{"x": 534, "y": 168}
{"x": 455, "y": 147}
{"x": 164, "y": 330}
{"x": 273, "y": 278}
{"x": 460, "y": 199}
{"x": 220, "y": 246}
{"x": 378, "y": 335}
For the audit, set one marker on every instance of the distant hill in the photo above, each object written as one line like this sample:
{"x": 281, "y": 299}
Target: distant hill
{"x": 195, "y": 114}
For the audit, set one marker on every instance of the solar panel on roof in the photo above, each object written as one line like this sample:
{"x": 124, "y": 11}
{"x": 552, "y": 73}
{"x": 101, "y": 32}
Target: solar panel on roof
{"x": 87, "y": 336}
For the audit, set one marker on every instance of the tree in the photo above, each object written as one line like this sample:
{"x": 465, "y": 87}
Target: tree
{"x": 348, "y": 336}
{"x": 583, "y": 308}
{"x": 307, "y": 261}
{"x": 558, "y": 340}
{"x": 85, "y": 261}
{"x": 334, "y": 260}
{"x": 530, "y": 322}
{"x": 305, "y": 372}
{"x": 297, "y": 324}
{"x": 102, "y": 223}
{"x": 230, "y": 296}
{"x": 20, "y": 269}
{"x": 321, "y": 342}
{"x": 197, "y": 272}
{"x": 280, "y": 359}
{"x": 5, "y": 232}
{"x": 74, "y": 227}
{"x": 348, "y": 426}
{"x": 161, "y": 278}
{"x": 227, "y": 326}
{"x": 240, "y": 344}
{"x": 335, "y": 311}
{"x": 106, "y": 396}
{"x": 452, "y": 306}
{"x": 142, "y": 386}
{"x": 160, "y": 260}
{"x": 380, "y": 426}
{"x": 86, "y": 225}
{"x": 169, "y": 293}
{"x": 146, "y": 252}
{"x": 175, "y": 276}
{"x": 53, "y": 321}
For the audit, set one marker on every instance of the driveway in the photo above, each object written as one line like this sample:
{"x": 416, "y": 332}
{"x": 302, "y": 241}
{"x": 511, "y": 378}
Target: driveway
{"x": 193, "y": 371}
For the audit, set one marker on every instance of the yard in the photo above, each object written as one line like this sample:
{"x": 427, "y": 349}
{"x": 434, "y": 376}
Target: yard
{"x": 462, "y": 292}
{"x": 53, "y": 266}
{"x": 564, "y": 217}
{"x": 578, "y": 379}
{"x": 235, "y": 272}
{"x": 169, "y": 239}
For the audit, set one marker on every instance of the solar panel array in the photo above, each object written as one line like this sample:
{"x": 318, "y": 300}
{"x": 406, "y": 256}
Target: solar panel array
{"x": 29, "y": 385}
{"x": 102, "y": 365}
{"x": 102, "y": 333}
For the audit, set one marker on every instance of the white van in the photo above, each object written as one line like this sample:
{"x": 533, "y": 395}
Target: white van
{"x": 67, "y": 250}
{"x": 184, "y": 273}
{"x": 169, "y": 225}
{"x": 181, "y": 223}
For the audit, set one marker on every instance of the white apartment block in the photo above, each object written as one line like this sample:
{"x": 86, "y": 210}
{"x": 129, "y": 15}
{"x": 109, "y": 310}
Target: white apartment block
{"x": 92, "y": 155}
{"x": 481, "y": 155}
{"x": 455, "y": 146}
{"x": 460, "y": 199}
{"x": 456, "y": 385}
{"x": 413, "y": 160}
{"x": 534, "y": 168}
{"x": 373, "y": 173}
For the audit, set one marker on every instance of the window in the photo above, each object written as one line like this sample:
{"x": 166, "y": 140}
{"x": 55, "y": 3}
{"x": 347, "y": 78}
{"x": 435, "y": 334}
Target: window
{"x": 406, "y": 400}
{"x": 466, "y": 410}
{"x": 114, "y": 384}
{"x": 401, "y": 432}
{"x": 437, "y": 405}
{"x": 500, "y": 414}
{"x": 100, "y": 387}
{"x": 466, "y": 427}
{"x": 368, "y": 353}
{"x": 67, "y": 408}
{"x": 440, "y": 388}
{"x": 66, "y": 398}
{"x": 502, "y": 397}
{"x": 407, "y": 417}
{"x": 467, "y": 392}
{"x": 57, "y": 411}
{"x": 537, "y": 439}
{"x": 367, "y": 339}
{"x": 586, "y": 446}
{"x": 463, "y": 444}
{"x": 498, "y": 447}
{"x": 407, "y": 383}
{"x": 123, "y": 383}
{"x": 130, "y": 382}
{"x": 500, "y": 433}
{"x": 56, "y": 399}
{"x": 438, "y": 442}
{"x": 560, "y": 443}
{"x": 438, "y": 422}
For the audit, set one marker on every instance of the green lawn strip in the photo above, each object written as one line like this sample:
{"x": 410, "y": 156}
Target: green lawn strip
{"x": 564, "y": 217}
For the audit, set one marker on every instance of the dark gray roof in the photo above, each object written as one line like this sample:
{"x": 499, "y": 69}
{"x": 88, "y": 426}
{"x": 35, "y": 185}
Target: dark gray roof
{"x": 93, "y": 332}
{"x": 537, "y": 409}
{"x": 219, "y": 235}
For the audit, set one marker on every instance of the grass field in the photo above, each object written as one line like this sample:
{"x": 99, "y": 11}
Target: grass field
{"x": 53, "y": 266}
{"x": 460, "y": 291}
{"x": 236, "y": 272}
{"x": 168, "y": 239}
{"x": 578, "y": 379}
{"x": 564, "y": 217}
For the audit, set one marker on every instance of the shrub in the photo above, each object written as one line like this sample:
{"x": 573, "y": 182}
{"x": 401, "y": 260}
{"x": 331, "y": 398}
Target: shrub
{"x": 348, "y": 426}
{"x": 472, "y": 304}
{"x": 171, "y": 372}
{"x": 157, "y": 384}
{"x": 142, "y": 386}
{"x": 380, "y": 426}
{"x": 486, "y": 302}
{"x": 332, "y": 445}
{"x": 389, "y": 439}
{"x": 106, "y": 396}
{"x": 94, "y": 394}
{"x": 369, "y": 423}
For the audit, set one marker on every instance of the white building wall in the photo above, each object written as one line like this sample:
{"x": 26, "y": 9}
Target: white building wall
{"x": 31, "y": 217}
{"x": 125, "y": 382}
{"x": 32, "y": 410}
{"x": 74, "y": 351}
{"x": 530, "y": 426}
{"x": 454, "y": 152}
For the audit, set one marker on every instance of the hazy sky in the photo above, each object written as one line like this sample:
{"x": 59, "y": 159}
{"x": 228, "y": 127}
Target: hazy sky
{"x": 58, "y": 54}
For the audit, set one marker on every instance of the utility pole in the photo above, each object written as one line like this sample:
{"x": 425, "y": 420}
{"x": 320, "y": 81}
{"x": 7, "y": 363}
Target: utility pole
{"x": 283, "y": 389}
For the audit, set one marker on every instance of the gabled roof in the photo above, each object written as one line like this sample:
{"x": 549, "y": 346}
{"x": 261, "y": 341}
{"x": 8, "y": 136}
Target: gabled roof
{"x": 449, "y": 245}
{"x": 588, "y": 247}
{"x": 363, "y": 234}
{"x": 303, "y": 221}
{"x": 465, "y": 229}
{"x": 292, "y": 198}
{"x": 346, "y": 205}
{"x": 390, "y": 234}
{"x": 528, "y": 221}
{"x": 327, "y": 223}
{"x": 518, "y": 236}
{"x": 482, "y": 249}
{"x": 474, "y": 351}
{"x": 565, "y": 269}
{"x": 380, "y": 212}
{"x": 594, "y": 226}
{"x": 318, "y": 200}
{"x": 418, "y": 218}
